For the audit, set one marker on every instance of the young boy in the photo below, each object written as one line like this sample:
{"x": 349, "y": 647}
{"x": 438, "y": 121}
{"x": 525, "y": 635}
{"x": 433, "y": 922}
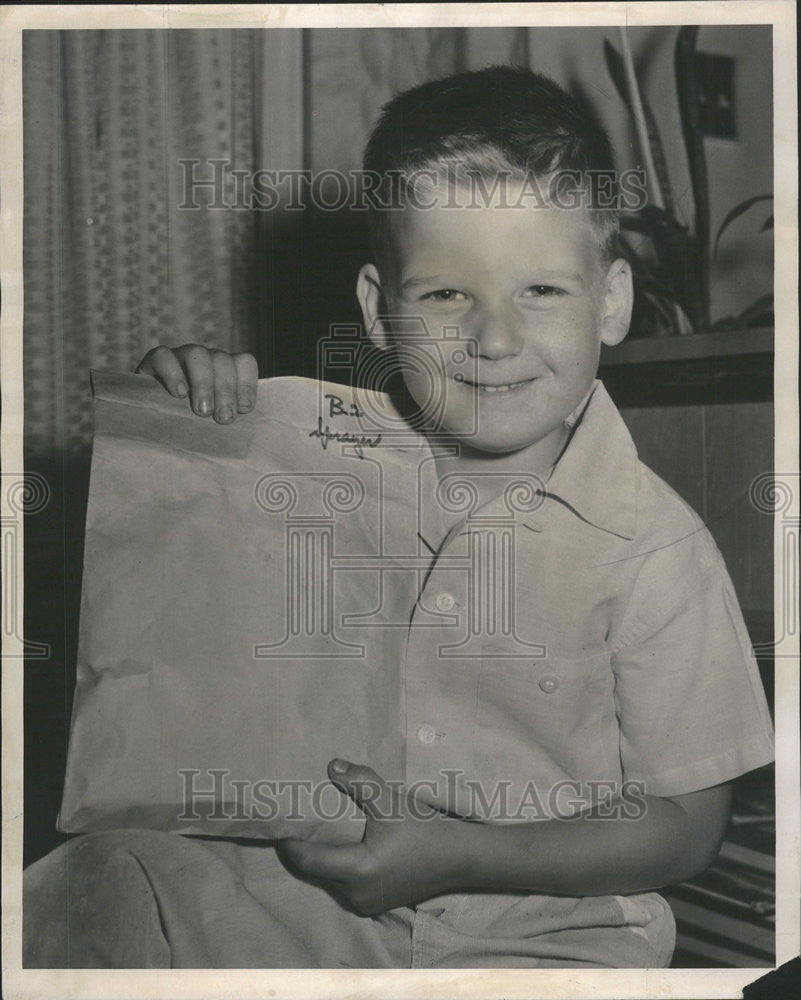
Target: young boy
{"x": 642, "y": 678}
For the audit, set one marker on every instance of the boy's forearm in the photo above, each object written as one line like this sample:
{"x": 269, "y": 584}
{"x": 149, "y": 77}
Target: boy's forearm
{"x": 673, "y": 840}
{"x": 405, "y": 857}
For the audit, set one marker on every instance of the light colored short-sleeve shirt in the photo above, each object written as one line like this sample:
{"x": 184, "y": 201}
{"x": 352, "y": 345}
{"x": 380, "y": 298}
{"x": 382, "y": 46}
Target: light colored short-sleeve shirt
{"x": 578, "y": 637}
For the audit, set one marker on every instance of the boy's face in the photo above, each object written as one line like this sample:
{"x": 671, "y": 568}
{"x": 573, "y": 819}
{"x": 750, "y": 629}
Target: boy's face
{"x": 532, "y": 301}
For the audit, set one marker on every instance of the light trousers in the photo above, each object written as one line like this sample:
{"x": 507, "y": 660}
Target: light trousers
{"x": 144, "y": 899}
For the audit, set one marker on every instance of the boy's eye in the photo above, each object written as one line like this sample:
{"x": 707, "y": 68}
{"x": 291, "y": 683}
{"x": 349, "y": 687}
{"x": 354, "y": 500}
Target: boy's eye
{"x": 543, "y": 291}
{"x": 444, "y": 295}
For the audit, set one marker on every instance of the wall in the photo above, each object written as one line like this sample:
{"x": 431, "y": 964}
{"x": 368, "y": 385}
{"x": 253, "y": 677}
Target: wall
{"x": 710, "y": 455}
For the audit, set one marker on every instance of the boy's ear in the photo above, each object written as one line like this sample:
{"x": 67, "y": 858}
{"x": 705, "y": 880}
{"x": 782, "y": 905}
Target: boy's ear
{"x": 371, "y": 299}
{"x": 618, "y": 303}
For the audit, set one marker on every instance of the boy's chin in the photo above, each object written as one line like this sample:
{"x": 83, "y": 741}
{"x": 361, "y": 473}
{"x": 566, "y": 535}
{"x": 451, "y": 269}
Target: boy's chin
{"x": 541, "y": 443}
{"x": 491, "y": 446}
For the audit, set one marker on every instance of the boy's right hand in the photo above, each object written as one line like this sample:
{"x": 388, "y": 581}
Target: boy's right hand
{"x": 216, "y": 382}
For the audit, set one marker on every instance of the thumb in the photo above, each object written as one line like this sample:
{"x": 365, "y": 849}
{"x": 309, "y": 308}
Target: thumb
{"x": 367, "y": 789}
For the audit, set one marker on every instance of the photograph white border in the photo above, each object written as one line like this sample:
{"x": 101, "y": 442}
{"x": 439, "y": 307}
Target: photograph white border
{"x": 486, "y": 984}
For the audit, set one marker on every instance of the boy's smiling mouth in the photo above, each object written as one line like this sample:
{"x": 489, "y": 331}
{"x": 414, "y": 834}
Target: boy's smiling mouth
{"x": 493, "y": 387}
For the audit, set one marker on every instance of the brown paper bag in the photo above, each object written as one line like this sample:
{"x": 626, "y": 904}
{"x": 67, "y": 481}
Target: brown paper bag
{"x": 233, "y": 637}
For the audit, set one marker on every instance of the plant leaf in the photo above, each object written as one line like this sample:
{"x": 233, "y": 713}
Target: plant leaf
{"x": 735, "y": 213}
{"x": 658, "y": 154}
{"x": 653, "y": 220}
{"x": 677, "y": 254}
{"x": 614, "y": 65}
{"x": 767, "y": 224}
{"x": 690, "y": 112}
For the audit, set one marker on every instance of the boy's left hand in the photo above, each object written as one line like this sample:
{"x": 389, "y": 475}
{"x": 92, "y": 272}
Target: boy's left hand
{"x": 409, "y": 852}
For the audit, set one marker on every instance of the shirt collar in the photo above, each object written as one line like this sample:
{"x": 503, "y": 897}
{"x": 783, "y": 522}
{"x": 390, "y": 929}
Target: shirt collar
{"x": 596, "y": 475}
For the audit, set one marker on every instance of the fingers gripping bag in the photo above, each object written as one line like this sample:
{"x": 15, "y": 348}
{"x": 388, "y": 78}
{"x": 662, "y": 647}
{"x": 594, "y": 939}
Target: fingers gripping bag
{"x": 233, "y": 637}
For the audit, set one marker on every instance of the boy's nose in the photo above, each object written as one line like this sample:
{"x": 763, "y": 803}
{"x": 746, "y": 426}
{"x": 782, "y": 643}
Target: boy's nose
{"x": 496, "y": 335}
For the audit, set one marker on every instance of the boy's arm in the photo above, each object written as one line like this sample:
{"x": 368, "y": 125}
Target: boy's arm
{"x": 216, "y": 382}
{"x": 674, "y": 839}
{"x": 406, "y": 857}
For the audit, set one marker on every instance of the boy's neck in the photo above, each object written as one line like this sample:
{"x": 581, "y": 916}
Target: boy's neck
{"x": 538, "y": 458}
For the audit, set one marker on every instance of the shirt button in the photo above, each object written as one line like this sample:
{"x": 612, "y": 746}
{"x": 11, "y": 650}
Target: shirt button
{"x": 549, "y": 684}
{"x": 445, "y": 602}
{"x": 426, "y": 734}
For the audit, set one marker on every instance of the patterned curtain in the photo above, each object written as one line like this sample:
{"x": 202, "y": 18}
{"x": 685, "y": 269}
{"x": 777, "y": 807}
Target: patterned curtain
{"x": 112, "y": 264}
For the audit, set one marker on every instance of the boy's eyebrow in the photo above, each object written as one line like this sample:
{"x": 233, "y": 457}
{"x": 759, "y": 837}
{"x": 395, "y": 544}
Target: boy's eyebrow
{"x": 415, "y": 282}
{"x": 570, "y": 276}
{"x": 575, "y": 276}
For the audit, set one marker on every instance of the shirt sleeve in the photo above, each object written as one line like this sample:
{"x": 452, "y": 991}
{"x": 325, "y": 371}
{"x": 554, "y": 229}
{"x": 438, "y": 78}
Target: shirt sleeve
{"x": 691, "y": 707}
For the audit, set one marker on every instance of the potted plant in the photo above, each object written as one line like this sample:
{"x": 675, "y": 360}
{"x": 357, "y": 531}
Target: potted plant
{"x": 671, "y": 261}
